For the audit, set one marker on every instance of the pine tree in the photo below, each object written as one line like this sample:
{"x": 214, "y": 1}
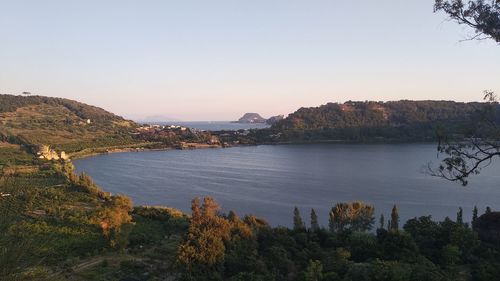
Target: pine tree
{"x": 331, "y": 221}
{"x": 298, "y": 224}
{"x": 394, "y": 226}
{"x": 460, "y": 216}
{"x": 474, "y": 214}
{"x": 382, "y": 221}
{"x": 314, "y": 221}
{"x": 488, "y": 210}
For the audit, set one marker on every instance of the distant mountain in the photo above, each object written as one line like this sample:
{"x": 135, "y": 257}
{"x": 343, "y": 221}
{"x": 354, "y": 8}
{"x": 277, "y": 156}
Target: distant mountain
{"x": 251, "y": 118}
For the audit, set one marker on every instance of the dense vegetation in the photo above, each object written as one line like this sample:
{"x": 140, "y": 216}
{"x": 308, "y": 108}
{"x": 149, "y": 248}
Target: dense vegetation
{"x": 56, "y": 225}
{"x": 381, "y": 121}
{"x": 226, "y": 247}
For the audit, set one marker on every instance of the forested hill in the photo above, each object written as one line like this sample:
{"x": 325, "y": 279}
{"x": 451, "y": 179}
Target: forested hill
{"x": 11, "y": 103}
{"x": 62, "y": 123}
{"x": 395, "y": 120}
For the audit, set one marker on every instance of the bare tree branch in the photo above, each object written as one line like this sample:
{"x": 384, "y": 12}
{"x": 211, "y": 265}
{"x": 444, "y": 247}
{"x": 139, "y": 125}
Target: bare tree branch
{"x": 468, "y": 157}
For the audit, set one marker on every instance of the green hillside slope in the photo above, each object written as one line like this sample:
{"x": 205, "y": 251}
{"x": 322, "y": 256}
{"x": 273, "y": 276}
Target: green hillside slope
{"x": 63, "y": 124}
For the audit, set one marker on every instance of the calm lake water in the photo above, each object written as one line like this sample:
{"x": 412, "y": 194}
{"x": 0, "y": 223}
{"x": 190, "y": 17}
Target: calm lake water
{"x": 269, "y": 181}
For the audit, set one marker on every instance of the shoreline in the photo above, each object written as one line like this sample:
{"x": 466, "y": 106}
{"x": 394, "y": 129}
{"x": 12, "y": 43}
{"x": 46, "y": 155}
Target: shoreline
{"x": 191, "y": 146}
{"x": 194, "y": 146}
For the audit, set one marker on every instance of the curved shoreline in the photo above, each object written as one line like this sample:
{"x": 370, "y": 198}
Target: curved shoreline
{"x": 82, "y": 154}
{"x": 192, "y": 146}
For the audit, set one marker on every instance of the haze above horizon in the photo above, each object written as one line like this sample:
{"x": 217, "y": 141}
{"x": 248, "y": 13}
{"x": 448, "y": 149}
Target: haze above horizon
{"x": 215, "y": 60}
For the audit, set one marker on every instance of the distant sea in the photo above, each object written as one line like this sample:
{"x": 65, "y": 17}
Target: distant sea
{"x": 214, "y": 125}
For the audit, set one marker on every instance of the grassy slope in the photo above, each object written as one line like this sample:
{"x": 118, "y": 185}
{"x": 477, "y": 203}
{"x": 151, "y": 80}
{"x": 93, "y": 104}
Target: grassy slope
{"x": 13, "y": 154}
{"x": 49, "y": 226}
{"x": 62, "y": 124}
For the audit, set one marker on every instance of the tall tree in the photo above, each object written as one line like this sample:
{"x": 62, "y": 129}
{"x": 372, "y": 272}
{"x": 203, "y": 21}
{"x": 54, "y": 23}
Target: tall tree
{"x": 314, "y": 221}
{"x": 460, "y": 216}
{"x": 483, "y": 16}
{"x": 381, "y": 221}
{"x": 488, "y": 210}
{"x": 394, "y": 226}
{"x": 298, "y": 223}
{"x": 474, "y": 214}
{"x": 338, "y": 217}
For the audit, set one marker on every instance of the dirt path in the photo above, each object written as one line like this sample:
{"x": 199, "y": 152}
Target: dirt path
{"x": 92, "y": 262}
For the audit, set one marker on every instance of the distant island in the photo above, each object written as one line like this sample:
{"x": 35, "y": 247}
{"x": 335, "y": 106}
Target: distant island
{"x": 256, "y": 118}
{"x": 251, "y": 118}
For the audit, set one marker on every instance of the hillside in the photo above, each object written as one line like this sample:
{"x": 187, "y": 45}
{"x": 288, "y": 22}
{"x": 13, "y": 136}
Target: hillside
{"x": 395, "y": 120}
{"x": 63, "y": 124}
{"x": 56, "y": 225}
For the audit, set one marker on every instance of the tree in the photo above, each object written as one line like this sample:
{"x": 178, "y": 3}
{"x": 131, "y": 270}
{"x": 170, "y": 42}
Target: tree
{"x": 450, "y": 255}
{"x": 298, "y": 224}
{"x": 488, "y": 210}
{"x": 338, "y": 217}
{"x": 314, "y": 271}
{"x": 465, "y": 158}
{"x": 474, "y": 214}
{"x": 468, "y": 158}
{"x": 355, "y": 216}
{"x": 381, "y": 221}
{"x": 204, "y": 246}
{"x": 481, "y": 15}
{"x": 460, "y": 216}
{"x": 112, "y": 218}
{"x": 314, "y": 221}
{"x": 394, "y": 224}
{"x": 363, "y": 216}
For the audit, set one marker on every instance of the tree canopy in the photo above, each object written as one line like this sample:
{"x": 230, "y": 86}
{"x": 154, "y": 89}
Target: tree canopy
{"x": 462, "y": 159}
{"x": 483, "y": 16}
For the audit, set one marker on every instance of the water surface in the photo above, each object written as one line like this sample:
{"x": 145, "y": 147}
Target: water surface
{"x": 270, "y": 180}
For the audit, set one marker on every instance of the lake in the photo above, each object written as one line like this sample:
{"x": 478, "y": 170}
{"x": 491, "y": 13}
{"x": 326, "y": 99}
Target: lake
{"x": 269, "y": 180}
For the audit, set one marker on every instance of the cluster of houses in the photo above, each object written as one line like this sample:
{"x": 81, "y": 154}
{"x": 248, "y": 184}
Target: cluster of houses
{"x": 157, "y": 132}
{"x": 156, "y": 127}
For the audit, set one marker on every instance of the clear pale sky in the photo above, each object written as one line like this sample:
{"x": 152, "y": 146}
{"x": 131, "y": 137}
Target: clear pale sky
{"x": 215, "y": 60}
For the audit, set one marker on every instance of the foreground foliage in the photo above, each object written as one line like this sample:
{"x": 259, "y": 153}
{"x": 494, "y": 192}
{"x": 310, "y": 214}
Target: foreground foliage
{"x": 422, "y": 250}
